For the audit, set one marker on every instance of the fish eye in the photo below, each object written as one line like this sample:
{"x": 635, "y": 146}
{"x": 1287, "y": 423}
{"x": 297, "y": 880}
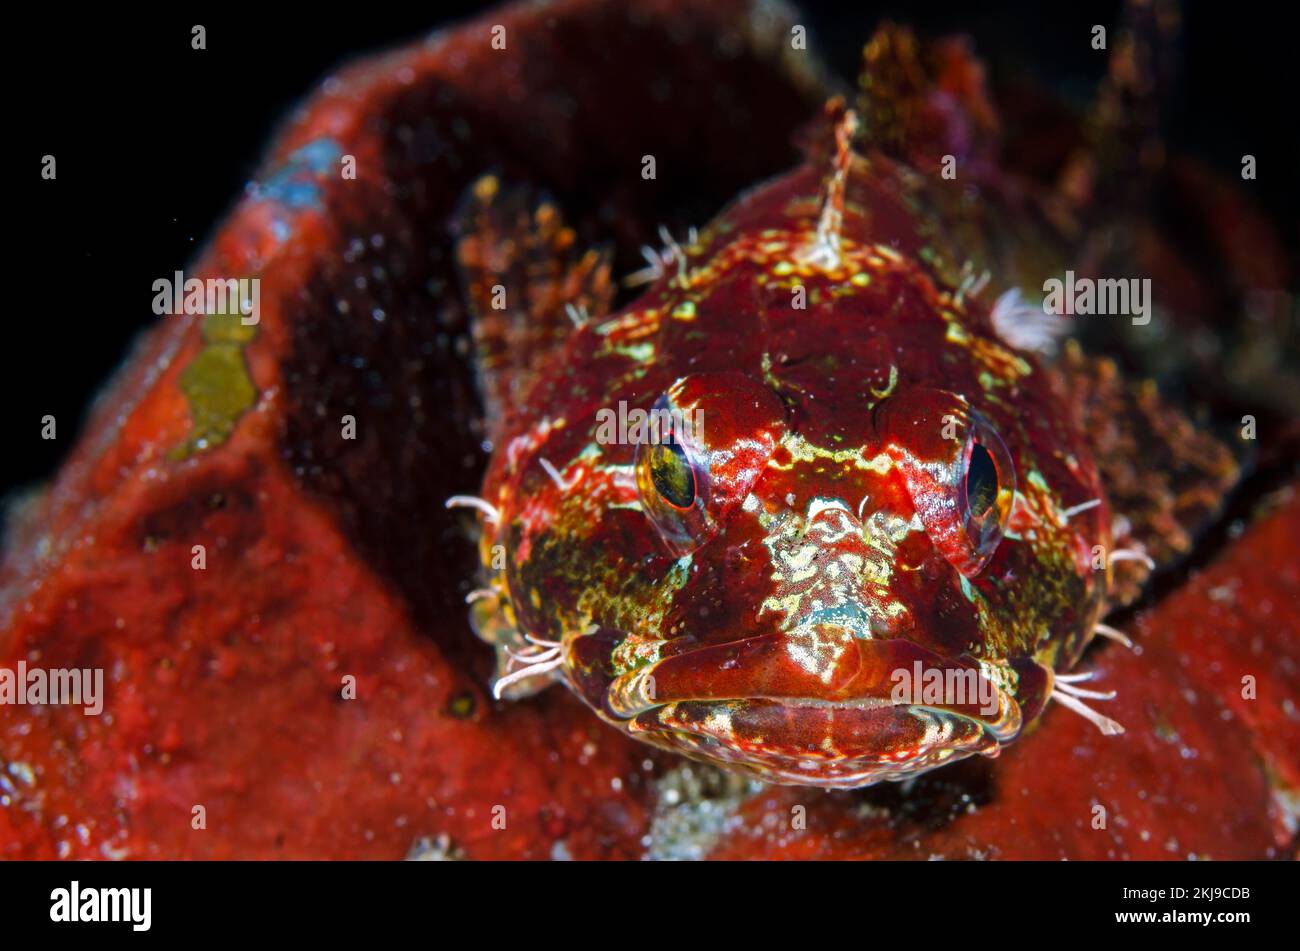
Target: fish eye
{"x": 672, "y": 480}
{"x": 958, "y": 472}
{"x": 981, "y": 481}
{"x": 987, "y": 487}
{"x": 671, "y": 473}
{"x": 712, "y": 437}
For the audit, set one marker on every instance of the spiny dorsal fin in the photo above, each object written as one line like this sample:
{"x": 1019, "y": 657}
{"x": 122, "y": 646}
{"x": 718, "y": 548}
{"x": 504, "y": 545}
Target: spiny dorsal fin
{"x": 1164, "y": 478}
{"x": 524, "y": 279}
{"x": 922, "y": 100}
{"x": 1124, "y": 149}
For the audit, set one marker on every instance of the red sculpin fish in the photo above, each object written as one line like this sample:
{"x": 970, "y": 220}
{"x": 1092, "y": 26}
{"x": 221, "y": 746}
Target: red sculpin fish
{"x": 811, "y": 507}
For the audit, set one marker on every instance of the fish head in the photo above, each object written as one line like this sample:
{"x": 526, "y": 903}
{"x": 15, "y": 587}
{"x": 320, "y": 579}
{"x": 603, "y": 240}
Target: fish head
{"x": 828, "y": 546}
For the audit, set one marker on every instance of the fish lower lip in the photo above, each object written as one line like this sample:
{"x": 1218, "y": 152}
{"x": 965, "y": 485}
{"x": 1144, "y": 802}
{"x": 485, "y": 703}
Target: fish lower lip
{"x": 1001, "y": 728}
{"x": 814, "y": 742}
{"x": 999, "y": 732}
{"x": 760, "y": 669}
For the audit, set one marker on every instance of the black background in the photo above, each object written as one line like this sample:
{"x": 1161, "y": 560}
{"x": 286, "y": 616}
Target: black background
{"x": 155, "y": 141}
{"x": 900, "y": 904}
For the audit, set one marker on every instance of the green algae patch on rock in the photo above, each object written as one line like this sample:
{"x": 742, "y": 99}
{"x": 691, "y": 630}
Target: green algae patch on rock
{"x": 216, "y": 383}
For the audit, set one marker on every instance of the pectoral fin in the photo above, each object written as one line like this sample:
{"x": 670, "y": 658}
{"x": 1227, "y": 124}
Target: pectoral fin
{"x": 526, "y": 281}
{"x": 1164, "y": 477}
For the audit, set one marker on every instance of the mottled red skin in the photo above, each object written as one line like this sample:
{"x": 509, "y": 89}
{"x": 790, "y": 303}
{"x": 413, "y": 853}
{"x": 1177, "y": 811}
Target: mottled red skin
{"x": 875, "y": 367}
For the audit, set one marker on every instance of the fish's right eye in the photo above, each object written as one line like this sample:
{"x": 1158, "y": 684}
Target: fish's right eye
{"x": 673, "y": 486}
{"x": 716, "y": 432}
{"x": 672, "y": 474}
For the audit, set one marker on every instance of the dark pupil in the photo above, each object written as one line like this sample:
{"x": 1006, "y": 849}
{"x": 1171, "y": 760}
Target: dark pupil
{"x": 672, "y": 474}
{"x": 981, "y": 481}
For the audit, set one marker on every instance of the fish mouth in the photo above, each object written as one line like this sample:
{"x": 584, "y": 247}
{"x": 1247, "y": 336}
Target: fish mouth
{"x": 886, "y": 744}
{"x": 752, "y": 705}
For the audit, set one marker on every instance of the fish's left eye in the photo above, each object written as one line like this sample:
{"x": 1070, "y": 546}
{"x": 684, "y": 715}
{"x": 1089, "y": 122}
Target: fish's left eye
{"x": 981, "y": 481}
{"x": 985, "y": 490}
{"x": 958, "y": 472}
